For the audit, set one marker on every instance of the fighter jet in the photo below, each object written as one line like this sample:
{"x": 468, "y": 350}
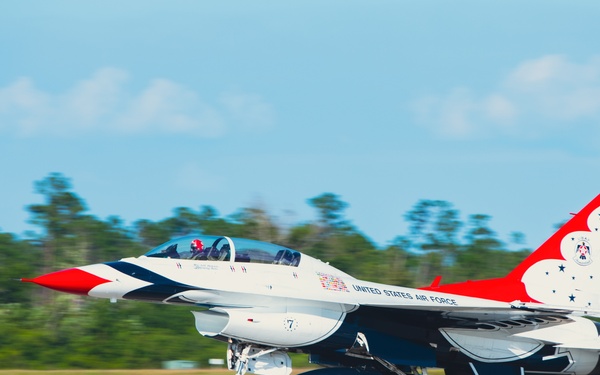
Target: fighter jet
{"x": 265, "y": 301}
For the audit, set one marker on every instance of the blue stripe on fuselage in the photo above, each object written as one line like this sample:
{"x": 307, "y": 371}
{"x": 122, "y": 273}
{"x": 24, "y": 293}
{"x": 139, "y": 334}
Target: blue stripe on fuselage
{"x": 161, "y": 288}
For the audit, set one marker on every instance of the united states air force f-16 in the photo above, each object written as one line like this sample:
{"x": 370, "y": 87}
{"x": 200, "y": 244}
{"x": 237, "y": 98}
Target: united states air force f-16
{"x": 266, "y": 301}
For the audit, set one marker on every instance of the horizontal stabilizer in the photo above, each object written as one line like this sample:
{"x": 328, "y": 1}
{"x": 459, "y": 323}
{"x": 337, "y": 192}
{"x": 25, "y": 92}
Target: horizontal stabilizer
{"x": 580, "y": 333}
{"x": 577, "y": 344}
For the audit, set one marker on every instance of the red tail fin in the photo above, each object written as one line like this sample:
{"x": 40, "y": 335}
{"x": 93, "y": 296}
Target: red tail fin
{"x": 564, "y": 270}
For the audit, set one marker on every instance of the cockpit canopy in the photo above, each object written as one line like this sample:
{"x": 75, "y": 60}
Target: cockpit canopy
{"x": 226, "y": 249}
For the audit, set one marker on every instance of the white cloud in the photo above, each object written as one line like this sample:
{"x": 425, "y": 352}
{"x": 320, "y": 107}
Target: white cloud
{"x": 499, "y": 108}
{"x": 167, "y": 107}
{"x": 558, "y": 88}
{"x": 455, "y": 112}
{"x": 462, "y": 115}
{"x": 553, "y": 71}
{"x": 536, "y": 96}
{"x": 26, "y": 105}
{"x": 249, "y": 110}
{"x": 91, "y": 100}
{"x": 537, "y": 72}
{"x": 104, "y": 104}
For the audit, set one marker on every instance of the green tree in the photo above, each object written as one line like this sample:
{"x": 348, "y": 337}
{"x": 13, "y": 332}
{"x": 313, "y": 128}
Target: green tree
{"x": 330, "y": 211}
{"x": 396, "y": 264}
{"x": 354, "y": 254}
{"x": 61, "y": 220}
{"x": 108, "y": 240}
{"x": 256, "y": 223}
{"x": 58, "y": 217}
{"x": 482, "y": 256}
{"x": 18, "y": 259}
{"x": 433, "y": 229}
{"x": 301, "y": 237}
{"x": 211, "y": 223}
{"x": 433, "y": 225}
{"x": 184, "y": 221}
{"x": 151, "y": 234}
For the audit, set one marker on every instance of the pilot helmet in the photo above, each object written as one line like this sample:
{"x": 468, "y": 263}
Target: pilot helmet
{"x": 196, "y": 245}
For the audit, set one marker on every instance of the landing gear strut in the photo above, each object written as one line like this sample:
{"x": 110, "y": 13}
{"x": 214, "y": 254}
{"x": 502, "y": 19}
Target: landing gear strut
{"x": 360, "y": 349}
{"x": 244, "y": 357}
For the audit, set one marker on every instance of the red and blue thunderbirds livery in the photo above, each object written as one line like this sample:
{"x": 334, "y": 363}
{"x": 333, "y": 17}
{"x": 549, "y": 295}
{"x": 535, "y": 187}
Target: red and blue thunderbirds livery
{"x": 266, "y": 300}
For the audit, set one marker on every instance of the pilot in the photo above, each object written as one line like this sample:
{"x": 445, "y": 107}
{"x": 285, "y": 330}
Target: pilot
{"x": 197, "y": 248}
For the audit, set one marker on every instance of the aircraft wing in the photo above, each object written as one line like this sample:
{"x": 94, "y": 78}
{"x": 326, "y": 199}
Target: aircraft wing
{"x": 570, "y": 335}
{"x": 512, "y": 310}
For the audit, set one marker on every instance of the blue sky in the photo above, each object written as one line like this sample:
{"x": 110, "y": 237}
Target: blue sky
{"x": 151, "y": 105}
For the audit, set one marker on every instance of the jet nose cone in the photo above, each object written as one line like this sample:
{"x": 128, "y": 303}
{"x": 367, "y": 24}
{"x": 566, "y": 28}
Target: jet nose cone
{"x": 72, "y": 280}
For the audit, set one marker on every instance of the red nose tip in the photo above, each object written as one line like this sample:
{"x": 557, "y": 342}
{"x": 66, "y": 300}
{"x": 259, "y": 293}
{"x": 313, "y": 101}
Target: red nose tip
{"x": 72, "y": 280}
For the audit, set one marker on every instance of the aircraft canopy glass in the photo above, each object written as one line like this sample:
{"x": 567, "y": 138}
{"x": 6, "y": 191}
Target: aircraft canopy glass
{"x": 215, "y": 248}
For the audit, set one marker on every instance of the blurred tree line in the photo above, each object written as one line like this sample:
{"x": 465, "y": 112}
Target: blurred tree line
{"x": 42, "y": 329}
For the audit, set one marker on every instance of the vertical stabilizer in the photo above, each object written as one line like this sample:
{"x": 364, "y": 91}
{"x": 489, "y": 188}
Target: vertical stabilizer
{"x": 564, "y": 270}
